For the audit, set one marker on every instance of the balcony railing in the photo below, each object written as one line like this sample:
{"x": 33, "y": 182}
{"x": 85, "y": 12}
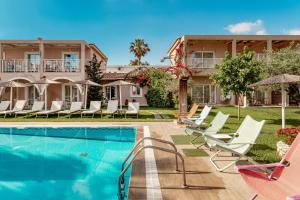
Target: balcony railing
{"x": 12, "y": 66}
{"x": 54, "y": 65}
{"x": 203, "y": 63}
{"x": 48, "y": 65}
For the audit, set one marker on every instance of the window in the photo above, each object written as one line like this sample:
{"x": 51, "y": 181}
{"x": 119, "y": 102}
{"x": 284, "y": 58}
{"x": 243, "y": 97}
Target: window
{"x": 203, "y": 59}
{"x": 110, "y": 92}
{"x": 136, "y": 91}
{"x": 71, "y": 62}
{"x": 204, "y": 94}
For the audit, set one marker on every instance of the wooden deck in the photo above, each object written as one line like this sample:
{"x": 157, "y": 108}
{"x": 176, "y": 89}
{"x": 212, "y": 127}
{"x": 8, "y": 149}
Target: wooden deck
{"x": 203, "y": 180}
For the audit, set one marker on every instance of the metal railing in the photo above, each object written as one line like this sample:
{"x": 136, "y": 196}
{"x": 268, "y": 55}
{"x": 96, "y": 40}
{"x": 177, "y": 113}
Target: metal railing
{"x": 203, "y": 63}
{"x": 61, "y": 65}
{"x": 121, "y": 181}
{"x": 20, "y": 65}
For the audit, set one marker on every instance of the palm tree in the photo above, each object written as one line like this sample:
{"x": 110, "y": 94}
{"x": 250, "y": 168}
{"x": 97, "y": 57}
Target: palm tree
{"x": 139, "y": 48}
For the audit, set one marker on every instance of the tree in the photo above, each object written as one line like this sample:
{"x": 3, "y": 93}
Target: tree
{"x": 139, "y": 48}
{"x": 94, "y": 73}
{"x": 284, "y": 61}
{"x": 135, "y": 62}
{"x": 235, "y": 74}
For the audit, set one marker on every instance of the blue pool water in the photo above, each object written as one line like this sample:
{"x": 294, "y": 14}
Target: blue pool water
{"x": 62, "y": 163}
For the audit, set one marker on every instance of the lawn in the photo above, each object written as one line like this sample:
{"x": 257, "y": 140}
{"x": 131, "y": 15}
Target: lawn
{"x": 264, "y": 151}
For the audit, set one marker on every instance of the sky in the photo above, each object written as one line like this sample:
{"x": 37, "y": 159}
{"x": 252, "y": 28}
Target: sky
{"x": 113, "y": 24}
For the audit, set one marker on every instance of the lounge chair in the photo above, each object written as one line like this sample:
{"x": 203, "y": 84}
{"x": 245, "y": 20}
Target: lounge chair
{"x": 197, "y": 121}
{"x": 95, "y": 107}
{"x": 56, "y": 106}
{"x": 191, "y": 113}
{"x": 283, "y": 182}
{"x": 75, "y": 107}
{"x": 133, "y": 109}
{"x": 36, "y": 107}
{"x": 112, "y": 108}
{"x": 4, "y": 105}
{"x": 239, "y": 145}
{"x": 19, "y": 106}
{"x": 214, "y": 127}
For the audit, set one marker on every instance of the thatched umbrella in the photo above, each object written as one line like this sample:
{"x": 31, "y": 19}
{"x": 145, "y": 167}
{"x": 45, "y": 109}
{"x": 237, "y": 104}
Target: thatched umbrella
{"x": 282, "y": 80}
{"x": 86, "y": 83}
{"x": 11, "y": 85}
{"x": 119, "y": 83}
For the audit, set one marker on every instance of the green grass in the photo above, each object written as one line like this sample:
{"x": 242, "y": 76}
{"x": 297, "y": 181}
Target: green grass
{"x": 184, "y": 139}
{"x": 194, "y": 152}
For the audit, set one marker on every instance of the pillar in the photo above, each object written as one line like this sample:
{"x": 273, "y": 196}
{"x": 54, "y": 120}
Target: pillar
{"x": 42, "y": 57}
{"x": 1, "y": 54}
{"x": 233, "y": 48}
{"x": 269, "y": 45}
{"x": 183, "y": 95}
{"x": 82, "y": 65}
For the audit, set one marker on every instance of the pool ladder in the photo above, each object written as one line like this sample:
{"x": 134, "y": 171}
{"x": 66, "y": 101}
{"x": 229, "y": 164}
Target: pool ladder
{"x": 121, "y": 181}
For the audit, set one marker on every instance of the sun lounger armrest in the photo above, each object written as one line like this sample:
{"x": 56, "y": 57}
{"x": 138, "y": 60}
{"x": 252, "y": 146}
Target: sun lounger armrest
{"x": 210, "y": 137}
{"x": 259, "y": 166}
{"x": 296, "y": 197}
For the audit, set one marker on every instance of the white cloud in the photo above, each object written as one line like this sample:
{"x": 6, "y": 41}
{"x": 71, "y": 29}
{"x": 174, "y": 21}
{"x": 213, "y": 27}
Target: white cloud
{"x": 295, "y": 31}
{"x": 256, "y": 27}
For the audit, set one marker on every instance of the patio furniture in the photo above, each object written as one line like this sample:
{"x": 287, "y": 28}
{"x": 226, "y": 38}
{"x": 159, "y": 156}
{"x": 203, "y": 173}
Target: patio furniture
{"x": 112, "y": 108}
{"x": 216, "y": 125}
{"x": 56, "y": 106}
{"x": 197, "y": 121}
{"x": 4, "y": 105}
{"x": 75, "y": 107}
{"x": 19, "y": 106}
{"x": 133, "y": 109}
{"x": 283, "y": 182}
{"x": 191, "y": 113}
{"x": 37, "y": 106}
{"x": 95, "y": 107}
{"x": 239, "y": 145}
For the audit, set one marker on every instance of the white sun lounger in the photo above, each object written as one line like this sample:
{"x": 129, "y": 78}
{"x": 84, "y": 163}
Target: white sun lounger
{"x": 239, "y": 145}
{"x": 19, "y": 106}
{"x": 36, "y": 107}
{"x": 4, "y": 105}
{"x": 56, "y": 106}
{"x": 75, "y": 107}
{"x": 112, "y": 108}
{"x": 95, "y": 107}
{"x": 198, "y": 121}
{"x": 133, "y": 109}
{"x": 214, "y": 127}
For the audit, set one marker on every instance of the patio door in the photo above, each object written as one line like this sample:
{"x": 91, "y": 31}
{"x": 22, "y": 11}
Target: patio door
{"x": 71, "y": 62}
{"x": 33, "y": 61}
{"x": 110, "y": 92}
{"x": 70, "y": 94}
{"x": 203, "y": 59}
{"x": 32, "y": 94}
{"x": 204, "y": 94}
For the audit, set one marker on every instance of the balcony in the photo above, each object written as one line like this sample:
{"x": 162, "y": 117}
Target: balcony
{"x": 33, "y": 66}
{"x": 203, "y": 63}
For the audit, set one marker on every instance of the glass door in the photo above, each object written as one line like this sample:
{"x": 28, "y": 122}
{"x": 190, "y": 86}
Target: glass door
{"x": 33, "y": 95}
{"x": 71, "y": 62}
{"x": 33, "y": 62}
{"x": 71, "y": 94}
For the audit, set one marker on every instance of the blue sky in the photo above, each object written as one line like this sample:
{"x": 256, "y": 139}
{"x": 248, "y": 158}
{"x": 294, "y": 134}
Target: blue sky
{"x": 113, "y": 24}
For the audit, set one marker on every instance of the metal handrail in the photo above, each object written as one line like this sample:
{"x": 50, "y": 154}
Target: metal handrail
{"x": 121, "y": 185}
{"x": 150, "y": 138}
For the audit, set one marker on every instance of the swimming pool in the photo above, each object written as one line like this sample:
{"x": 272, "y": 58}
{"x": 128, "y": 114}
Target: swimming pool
{"x": 63, "y": 163}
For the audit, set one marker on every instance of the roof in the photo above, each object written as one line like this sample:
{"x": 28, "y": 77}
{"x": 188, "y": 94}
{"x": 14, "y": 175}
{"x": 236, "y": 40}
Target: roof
{"x": 113, "y": 76}
{"x": 94, "y": 46}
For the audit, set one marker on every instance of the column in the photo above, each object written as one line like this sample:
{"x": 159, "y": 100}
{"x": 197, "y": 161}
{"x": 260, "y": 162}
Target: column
{"x": 233, "y": 48}
{"x": 183, "y": 95}
{"x": 1, "y": 54}
{"x": 82, "y": 65}
{"x": 42, "y": 56}
{"x": 269, "y": 45}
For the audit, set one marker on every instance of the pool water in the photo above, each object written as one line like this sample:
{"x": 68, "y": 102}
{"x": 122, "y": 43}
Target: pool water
{"x": 62, "y": 163}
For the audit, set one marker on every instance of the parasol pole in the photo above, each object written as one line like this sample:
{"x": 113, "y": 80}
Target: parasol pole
{"x": 283, "y": 99}
{"x": 11, "y": 90}
{"x": 120, "y": 92}
{"x": 85, "y": 96}
{"x": 46, "y": 97}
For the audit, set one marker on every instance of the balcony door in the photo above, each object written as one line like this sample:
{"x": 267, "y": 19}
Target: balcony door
{"x": 33, "y": 61}
{"x": 71, "y": 61}
{"x": 203, "y": 59}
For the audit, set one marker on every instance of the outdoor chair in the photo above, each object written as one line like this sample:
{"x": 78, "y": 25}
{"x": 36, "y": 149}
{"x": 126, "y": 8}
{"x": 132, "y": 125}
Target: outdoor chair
{"x": 112, "y": 108}
{"x": 282, "y": 182}
{"x": 197, "y": 121}
{"x": 19, "y": 106}
{"x": 191, "y": 113}
{"x": 216, "y": 125}
{"x": 56, "y": 106}
{"x": 4, "y": 105}
{"x": 36, "y": 107}
{"x": 239, "y": 145}
{"x": 95, "y": 107}
{"x": 75, "y": 107}
{"x": 133, "y": 109}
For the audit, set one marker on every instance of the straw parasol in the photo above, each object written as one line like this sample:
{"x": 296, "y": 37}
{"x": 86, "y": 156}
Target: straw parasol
{"x": 119, "y": 83}
{"x": 282, "y": 79}
{"x": 11, "y": 85}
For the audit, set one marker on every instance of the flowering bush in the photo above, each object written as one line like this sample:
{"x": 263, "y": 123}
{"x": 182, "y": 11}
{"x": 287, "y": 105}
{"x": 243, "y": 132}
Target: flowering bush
{"x": 291, "y": 133}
